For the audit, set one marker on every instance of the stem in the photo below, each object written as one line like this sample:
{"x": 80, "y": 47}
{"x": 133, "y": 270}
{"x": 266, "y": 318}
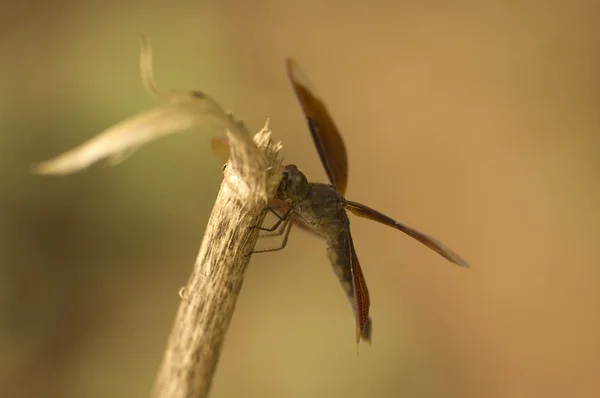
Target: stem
{"x": 208, "y": 301}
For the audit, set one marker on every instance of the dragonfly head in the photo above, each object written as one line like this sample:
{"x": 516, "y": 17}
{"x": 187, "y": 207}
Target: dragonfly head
{"x": 294, "y": 185}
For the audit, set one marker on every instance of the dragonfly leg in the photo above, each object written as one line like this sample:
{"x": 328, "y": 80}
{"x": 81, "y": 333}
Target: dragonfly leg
{"x": 286, "y": 230}
{"x": 280, "y": 219}
{"x": 276, "y": 232}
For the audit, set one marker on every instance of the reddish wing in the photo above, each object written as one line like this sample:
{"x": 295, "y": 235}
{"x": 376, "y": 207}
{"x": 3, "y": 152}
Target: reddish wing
{"x": 432, "y": 243}
{"x": 361, "y": 296}
{"x": 220, "y": 148}
{"x": 325, "y": 134}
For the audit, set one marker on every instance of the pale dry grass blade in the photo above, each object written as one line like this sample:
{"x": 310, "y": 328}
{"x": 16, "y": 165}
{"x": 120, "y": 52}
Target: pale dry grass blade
{"x": 185, "y": 110}
{"x": 146, "y": 68}
{"x": 127, "y": 136}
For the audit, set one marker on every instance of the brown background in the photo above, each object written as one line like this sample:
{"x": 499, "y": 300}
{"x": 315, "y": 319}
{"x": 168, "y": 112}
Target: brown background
{"x": 476, "y": 122}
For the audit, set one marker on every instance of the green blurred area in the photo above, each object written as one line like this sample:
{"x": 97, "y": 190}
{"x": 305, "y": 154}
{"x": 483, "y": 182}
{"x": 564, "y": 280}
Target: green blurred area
{"x": 474, "y": 122}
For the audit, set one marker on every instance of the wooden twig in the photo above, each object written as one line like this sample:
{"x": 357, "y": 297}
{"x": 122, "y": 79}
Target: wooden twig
{"x": 208, "y": 300}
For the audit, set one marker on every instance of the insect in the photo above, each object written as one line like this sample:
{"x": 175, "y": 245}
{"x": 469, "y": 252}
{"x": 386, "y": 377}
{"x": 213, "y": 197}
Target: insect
{"x": 321, "y": 208}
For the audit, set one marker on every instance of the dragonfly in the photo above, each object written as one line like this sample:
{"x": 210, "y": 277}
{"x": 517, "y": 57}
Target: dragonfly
{"x": 322, "y": 209}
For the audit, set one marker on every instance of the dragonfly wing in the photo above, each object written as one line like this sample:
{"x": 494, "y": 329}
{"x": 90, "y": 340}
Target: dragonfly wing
{"x": 220, "y": 148}
{"x": 432, "y": 243}
{"x": 345, "y": 263}
{"x": 325, "y": 133}
{"x": 361, "y": 293}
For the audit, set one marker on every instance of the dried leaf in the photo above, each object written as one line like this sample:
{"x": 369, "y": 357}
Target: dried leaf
{"x": 185, "y": 110}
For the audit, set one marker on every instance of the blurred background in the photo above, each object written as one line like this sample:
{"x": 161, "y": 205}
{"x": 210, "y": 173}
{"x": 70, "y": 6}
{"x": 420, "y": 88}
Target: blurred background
{"x": 475, "y": 122}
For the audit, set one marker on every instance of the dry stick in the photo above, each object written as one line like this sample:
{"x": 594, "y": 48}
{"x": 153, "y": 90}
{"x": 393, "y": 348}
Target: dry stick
{"x": 251, "y": 177}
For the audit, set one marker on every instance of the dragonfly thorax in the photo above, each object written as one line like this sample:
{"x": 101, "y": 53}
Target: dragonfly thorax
{"x": 294, "y": 184}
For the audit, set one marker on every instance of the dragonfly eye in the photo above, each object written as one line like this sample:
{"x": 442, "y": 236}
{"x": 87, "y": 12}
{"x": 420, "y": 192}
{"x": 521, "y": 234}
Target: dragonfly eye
{"x": 294, "y": 185}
